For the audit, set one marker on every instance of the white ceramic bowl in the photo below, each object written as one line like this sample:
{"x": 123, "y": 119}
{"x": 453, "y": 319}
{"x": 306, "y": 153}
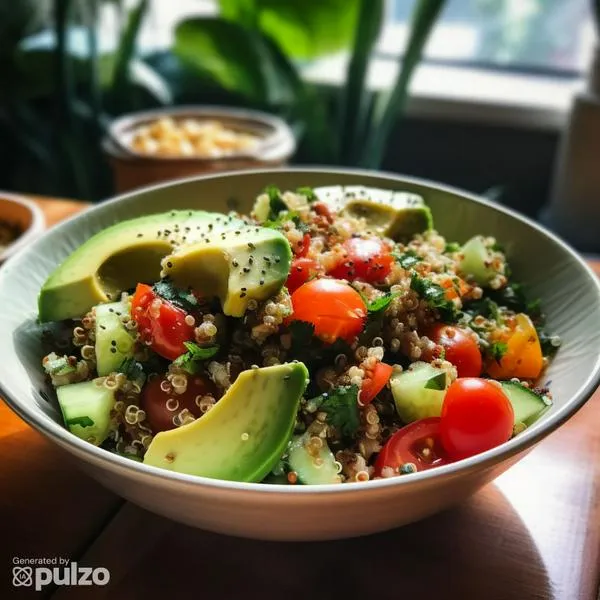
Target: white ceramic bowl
{"x": 26, "y": 214}
{"x": 569, "y": 290}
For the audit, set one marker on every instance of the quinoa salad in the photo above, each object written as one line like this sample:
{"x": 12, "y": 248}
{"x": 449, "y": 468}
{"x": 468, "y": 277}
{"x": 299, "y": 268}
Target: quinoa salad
{"x": 330, "y": 336}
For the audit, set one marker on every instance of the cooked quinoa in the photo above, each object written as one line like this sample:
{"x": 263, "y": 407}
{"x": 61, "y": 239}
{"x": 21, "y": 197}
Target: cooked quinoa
{"x": 407, "y": 288}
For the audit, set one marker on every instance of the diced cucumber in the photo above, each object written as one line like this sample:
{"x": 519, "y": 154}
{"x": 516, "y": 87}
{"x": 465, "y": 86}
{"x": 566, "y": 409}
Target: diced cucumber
{"x": 114, "y": 343}
{"x": 477, "y": 261}
{"x": 86, "y": 410}
{"x": 419, "y": 392}
{"x": 527, "y": 405}
{"x": 312, "y": 470}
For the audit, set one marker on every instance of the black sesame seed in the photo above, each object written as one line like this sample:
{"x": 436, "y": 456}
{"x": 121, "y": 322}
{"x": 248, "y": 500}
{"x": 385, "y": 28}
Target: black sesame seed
{"x": 246, "y": 270}
{"x": 251, "y": 246}
{"x": 263, "y": 272}
{"x": 277, "y": 259}
{"x": 140, "y": 235}
{"x": 238, "y": 232}
{"x": 113, "y": 350}
{"x": 243, "y": 295}
{"x": 244, "y": 289}
{"x": 102, "y": 327}
{"x": 235, "y": 263}
{"x": 251, "y": 260}
{"x": 110, "y": 309}
{"x": 113, "y": 343}
{"x": 169, "y": 265}
{"x": 261, "y": 282}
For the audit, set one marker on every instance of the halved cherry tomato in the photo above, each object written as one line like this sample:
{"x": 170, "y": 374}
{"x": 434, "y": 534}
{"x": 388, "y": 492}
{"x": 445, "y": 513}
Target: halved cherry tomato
{"x": 476, "y": 416}
{"x": 301, "y": 271}
{"x": 372, "y": 384}
{"x": 461, "y": 349}
{"x": 303, "y": 246}
{"x": 323, "y": 211}
{"x": 523, "y": 357}
{"x": 417, "y": 443}
{"x": 161, "y": 407}
{"x": 334, "y": 308}
{"x": 367, "y": 259}
{"x": 160, "y": 323}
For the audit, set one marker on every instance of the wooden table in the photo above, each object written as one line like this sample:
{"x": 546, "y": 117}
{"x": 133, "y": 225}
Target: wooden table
{"x": 533, "y": 533}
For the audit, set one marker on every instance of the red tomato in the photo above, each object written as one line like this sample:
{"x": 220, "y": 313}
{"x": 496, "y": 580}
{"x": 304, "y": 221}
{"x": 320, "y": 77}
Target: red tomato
{"x": 301, "y": 271}
{"x": 323, "y": 211}
{"x": 366, "y": 259}
{"x": 374, "y": 383}
{"x": 333, "y": 307}
{"x": 160, "y": 323}
{"x": 417, "y": 443}
{"x": 476, "y": 416}
{"x": 303, "y": 246}
{"x": 461, "y": 349}
{"x": 161, "y": 407}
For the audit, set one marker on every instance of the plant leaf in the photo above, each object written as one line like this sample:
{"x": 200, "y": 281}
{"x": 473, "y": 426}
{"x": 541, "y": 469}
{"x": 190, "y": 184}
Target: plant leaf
{"x": 341, "y": 406}
{"x": 81, "y": 421}
{"x": 391, "y": 103}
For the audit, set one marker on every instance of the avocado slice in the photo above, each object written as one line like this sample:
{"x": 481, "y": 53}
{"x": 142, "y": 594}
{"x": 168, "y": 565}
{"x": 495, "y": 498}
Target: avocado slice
{"x": 119, "y": 257}
{"x": 236, "y": 266}
{"x": 243, "y": 436}
{"x": 393, "y": 214}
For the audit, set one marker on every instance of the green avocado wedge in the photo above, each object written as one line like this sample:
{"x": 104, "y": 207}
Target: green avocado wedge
{"x": 248, "y": 263}
{"x": 117, "y": 258}
{"x": 244, "y": 435}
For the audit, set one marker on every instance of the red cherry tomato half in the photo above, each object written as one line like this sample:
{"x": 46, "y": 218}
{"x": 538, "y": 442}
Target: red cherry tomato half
{"x": 417, "y": 443}
{"x": 461, "y": 349}
{"x": 334, "y": 308}
{"x": 366, "y": 259}
{"x": 160, "y": 323}
{"x": 476, "y": 416}
{"x": 301, "y": 271}
{"x": 162, "y": 407}
{"x": 374, "y": 383}
{"x": 303, "y": 246}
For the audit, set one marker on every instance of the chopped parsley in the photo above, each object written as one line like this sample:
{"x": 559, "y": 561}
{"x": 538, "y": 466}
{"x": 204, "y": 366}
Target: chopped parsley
{"x": 497, "y": 350}
{"x": 437, "y": 382}
{"x": 486, "y": 308}
{"x": 407, "y": 260}
{"x": 180, "y": 298}
{"x": 193, "y": 355}
{"x": 435, "y": 296}
{"x": 451, "y": 247}
{"x": 309, "y": 193}
{"x": 276, "y": 203}
{"x": 59, "y": 366}
{"x": 380, "y": 304}
{"x": 309, "y": 349}
{"x": 81, "y": 421}
{"x": 132, "y": 369}
{"x": 341, "y": 406}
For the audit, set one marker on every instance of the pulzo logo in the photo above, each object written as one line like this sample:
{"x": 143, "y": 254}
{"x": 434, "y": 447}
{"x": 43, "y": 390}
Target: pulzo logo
{"x": 70, "y": 574}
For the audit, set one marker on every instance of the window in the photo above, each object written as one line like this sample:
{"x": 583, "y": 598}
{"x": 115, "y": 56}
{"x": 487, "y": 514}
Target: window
{"x": 535, "y": 36}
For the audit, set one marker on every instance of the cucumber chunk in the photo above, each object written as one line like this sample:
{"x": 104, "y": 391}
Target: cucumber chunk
{"x": 109, "y": 329}
{"x": 86, "y": 410}
{"x": 477, "y": 261}
{"x": 419, "y": 392}
{"x": 527, "y": 405}
{"x": 312, "y": 470}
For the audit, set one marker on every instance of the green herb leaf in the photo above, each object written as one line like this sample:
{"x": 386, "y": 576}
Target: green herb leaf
{"x": 497, "y": 350}
{"x": 309, "y": 193}
{"x": 437, "y": 382}
{"x": 133, "y": 369}
{"x": 59, "y": 366}
{"x": 194, "y": 354}
{"x": 181, "y": 298}
{"x": 486, "y": 308}
{"x": 498, "y": 247}
{"x": 435, "y": 296}
{"x": 451, "y": 247}
{"x": 302, "y": 334}
{"x": 407, "y": 260}
{"x": 81, "y": 421}
{"x": 381, "y": 303}
{"x": 341, "y": 407}
{"x": 276, "y": 202}
{"x": 549, "y": 343}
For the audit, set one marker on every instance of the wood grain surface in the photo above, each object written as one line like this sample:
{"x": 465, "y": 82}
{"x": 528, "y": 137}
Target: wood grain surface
{"x": 533, "y": 533}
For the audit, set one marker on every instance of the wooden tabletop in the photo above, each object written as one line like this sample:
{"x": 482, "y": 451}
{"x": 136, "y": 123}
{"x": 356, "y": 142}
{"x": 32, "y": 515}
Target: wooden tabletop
{"x": 533, "y": 533}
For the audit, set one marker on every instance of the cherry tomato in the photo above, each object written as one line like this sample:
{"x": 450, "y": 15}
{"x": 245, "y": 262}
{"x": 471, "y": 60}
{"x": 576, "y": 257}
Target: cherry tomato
{"x": 160, "y": 323}
{"x": 301, "y": 271}
{"x": 476, "y": 416}
{"x": 323, "y": 211}
{"x": 366, "y": 259}
{"x": 417, "y": 443}
{"x": 461, "y": 349}
{"x": 333, "y": 307}
{"x": 161, "y": 407}
{"x": 523, "y": 357}
{"x": 303, "y": 246}
{"x": 372, "y": 384}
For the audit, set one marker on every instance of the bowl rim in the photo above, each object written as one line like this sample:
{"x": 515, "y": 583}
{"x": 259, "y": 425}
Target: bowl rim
{"x": 516, "y": 445}
{"x": 279, "y": 140}
{"x": 36, "y": 227}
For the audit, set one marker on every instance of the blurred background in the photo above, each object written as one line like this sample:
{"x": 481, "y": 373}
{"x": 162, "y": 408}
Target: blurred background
{"x": 474, "y": 93}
